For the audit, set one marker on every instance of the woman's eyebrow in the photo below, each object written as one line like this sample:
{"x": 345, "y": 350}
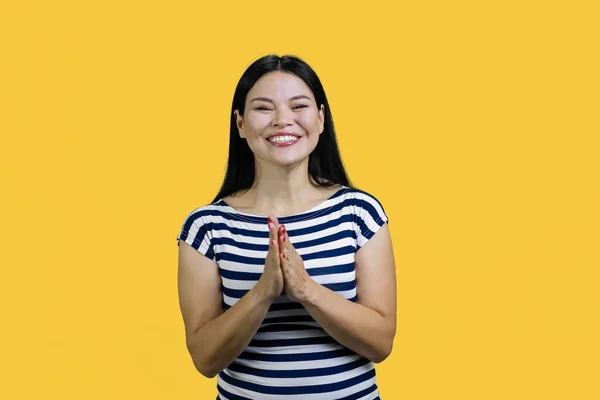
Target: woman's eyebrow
{"x": 300, "y": 96}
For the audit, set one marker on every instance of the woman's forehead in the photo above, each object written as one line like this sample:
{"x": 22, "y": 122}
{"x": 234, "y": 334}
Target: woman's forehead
{"x": 279, "y": 85}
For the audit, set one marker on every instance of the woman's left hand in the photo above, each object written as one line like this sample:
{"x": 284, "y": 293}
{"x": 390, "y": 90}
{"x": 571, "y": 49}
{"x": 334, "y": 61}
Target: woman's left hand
{"x": 297, "y": 282}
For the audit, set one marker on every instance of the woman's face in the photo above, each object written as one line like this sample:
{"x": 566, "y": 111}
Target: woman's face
{"x": 282, "y": 121}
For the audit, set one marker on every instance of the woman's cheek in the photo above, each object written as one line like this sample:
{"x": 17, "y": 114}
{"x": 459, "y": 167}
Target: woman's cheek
{"x": 258, "y": 125}
{"x": 310, "y": 125}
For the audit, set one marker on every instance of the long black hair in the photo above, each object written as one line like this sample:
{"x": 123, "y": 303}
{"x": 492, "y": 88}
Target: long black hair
{"x": 325, "y": 165}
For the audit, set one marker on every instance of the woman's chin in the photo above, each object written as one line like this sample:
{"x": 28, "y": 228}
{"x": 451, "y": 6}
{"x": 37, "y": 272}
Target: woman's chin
{"x": 290, "y": 161}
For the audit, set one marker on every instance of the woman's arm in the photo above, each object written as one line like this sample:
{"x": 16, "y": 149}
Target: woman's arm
{"x": 368, "y": 326}
{"x": 215, "y": 338}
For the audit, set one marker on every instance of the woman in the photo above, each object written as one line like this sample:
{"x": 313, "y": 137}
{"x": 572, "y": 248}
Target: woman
{"x": 287, "y": 279}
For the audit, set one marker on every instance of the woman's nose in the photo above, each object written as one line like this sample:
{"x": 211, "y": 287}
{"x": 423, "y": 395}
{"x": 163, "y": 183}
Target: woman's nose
{"x": 282, "y": 117}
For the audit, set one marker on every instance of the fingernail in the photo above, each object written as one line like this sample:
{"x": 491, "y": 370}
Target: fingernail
{"x": 283, "y": 228}
{"x": 270, "y": 220}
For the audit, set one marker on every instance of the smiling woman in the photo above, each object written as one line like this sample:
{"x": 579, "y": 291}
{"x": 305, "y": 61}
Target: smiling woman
{"x": 287, "y": 281}
{"x": 282, "y": 112}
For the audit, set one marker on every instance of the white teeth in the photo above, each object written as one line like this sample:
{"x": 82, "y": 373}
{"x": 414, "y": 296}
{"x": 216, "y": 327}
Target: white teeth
{"x": 283, "y": 139}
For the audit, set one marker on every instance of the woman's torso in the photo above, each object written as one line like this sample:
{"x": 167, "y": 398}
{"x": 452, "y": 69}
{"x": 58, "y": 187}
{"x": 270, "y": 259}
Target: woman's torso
{"x": 290, "y": 354}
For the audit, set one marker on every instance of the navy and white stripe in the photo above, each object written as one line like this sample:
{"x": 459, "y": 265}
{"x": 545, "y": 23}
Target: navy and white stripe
{"x": 291, "y": 356}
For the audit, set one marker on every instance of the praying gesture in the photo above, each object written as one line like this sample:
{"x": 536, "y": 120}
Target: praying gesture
{"x": 271, "y": 279}
{"x": 284, "y": 268}
{"x": 297, "y": 282}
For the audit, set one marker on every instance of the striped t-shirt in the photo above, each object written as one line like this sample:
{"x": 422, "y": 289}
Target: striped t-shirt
{"x": 291, "y": 356}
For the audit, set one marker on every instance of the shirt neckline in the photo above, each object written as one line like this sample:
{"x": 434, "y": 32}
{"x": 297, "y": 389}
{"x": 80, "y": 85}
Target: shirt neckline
{"x": 310, "y": 213}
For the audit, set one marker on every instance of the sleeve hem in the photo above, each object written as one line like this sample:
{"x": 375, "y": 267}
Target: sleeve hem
{"x": 195, "y": 242}
{"x": 379, "y": 222}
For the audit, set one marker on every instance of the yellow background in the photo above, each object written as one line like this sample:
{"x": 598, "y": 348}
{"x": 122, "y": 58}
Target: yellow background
{"x": 475, "y": 124}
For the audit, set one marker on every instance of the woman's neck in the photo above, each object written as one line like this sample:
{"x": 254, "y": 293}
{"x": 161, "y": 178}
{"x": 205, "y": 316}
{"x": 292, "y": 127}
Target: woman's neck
{"x": 281, "y": 191}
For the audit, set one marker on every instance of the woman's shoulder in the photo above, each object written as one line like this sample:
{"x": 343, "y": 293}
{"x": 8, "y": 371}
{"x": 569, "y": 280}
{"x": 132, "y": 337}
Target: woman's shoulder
{"x": 201, "y": 214}
{"x": 369, "y": 214}
{"x": 196, "y": 230}
{"x": 361, "y": 195}
{"x": 365, "y": 205}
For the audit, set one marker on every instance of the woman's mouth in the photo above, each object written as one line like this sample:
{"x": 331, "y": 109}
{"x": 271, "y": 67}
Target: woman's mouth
{"x": 283, "y": 140}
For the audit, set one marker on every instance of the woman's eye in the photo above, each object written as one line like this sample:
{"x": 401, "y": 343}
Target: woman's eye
{"x": 298, "y": 107}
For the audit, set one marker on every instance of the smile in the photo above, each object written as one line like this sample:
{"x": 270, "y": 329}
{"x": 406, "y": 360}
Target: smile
{"x": 283, "y": 140}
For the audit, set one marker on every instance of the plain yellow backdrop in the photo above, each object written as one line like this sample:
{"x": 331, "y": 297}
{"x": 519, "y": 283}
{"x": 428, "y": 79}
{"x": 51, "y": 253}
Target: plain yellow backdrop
{"x": 475, "y": 123}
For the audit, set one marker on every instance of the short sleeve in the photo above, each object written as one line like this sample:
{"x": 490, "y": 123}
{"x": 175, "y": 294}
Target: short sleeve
{"x": 369, "y": 217}
{"x": 196, "y": 232}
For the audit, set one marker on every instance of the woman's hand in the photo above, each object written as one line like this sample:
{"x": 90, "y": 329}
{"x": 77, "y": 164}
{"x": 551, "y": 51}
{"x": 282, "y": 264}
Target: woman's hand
{"x": 297, "y": 282}
{"x": 271, "y": 280}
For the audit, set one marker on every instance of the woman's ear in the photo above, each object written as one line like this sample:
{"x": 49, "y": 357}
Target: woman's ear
{"x": 321, "y": 119}
{"x": 239, "y": 123}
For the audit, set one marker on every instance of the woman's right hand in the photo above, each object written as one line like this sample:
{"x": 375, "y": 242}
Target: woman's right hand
{"x": 271, "y": 280}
